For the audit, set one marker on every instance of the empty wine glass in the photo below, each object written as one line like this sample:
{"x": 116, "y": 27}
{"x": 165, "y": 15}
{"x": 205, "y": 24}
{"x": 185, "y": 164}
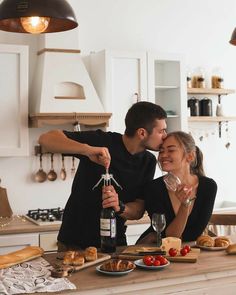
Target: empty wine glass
{"x": 172, "y": 181}
{"x": 158, "y": 223}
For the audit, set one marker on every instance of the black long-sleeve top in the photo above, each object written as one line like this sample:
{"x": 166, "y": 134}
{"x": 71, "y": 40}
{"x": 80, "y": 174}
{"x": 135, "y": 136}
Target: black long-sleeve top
{"x": 158, "y": 200}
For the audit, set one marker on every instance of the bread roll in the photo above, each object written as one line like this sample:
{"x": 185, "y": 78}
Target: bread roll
{"x": 78, "y": 258}
{"x": 25, "y": 254}
{"x": 117, "y": 265}
{"x": 205, "y": 240}
{"x": 231, "y": 249}
{"x": 90, "y": 254}
{"x": 68, "y": 257}
{"x": 222, "y": 242}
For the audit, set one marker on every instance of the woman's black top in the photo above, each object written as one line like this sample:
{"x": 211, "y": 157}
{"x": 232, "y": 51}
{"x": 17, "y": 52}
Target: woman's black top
{"x": 157, "y": 200}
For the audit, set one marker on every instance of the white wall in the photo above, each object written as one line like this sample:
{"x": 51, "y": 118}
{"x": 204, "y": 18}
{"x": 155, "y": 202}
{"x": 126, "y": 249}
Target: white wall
{"x": 199, "y": 30}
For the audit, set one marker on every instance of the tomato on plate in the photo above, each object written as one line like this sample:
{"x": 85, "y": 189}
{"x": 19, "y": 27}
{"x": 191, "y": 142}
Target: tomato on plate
{"x": 188, "y": 248}
{"x": 162, "y": 259}
{"x": 148, "y": 260}
{"x": 183, "y": 251}
{"x": 173, "y": 252}
{"x": 156, "y": 262}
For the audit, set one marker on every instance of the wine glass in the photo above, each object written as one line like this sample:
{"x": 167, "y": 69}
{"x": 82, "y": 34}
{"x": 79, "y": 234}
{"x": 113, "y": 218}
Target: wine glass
{"x": 172, "y": 181}
{"x": 158, "y": 223}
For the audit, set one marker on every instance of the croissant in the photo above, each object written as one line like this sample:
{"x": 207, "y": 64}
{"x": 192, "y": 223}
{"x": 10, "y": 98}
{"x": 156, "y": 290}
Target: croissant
{"x": 206, "y": 241}
{"x": 117, "y": 265}
{"x": 222, "y": 242}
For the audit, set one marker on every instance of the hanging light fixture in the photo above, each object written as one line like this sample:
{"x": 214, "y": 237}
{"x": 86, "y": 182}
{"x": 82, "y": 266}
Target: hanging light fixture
{"x": 36, "y": 16}
{"x": 233, "y": 38}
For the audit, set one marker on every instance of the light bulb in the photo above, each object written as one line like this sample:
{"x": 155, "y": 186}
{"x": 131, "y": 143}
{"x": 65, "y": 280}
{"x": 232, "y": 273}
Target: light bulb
{"x": 35, "y": 24}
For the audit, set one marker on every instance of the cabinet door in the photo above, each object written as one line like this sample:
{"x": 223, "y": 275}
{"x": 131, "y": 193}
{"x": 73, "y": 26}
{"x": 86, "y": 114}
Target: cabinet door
{"x": 134, "y": 231}
{"x": 13, "y": 100}
{"x": 48, "y": 241}
{"x": 167, "y": 87}
{"x": 11, "y": 243}
{"x": 120, "y": 78}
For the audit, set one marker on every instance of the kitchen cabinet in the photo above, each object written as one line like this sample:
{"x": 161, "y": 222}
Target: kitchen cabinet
{"x": 124, "y": 77}
{"x": 134, "y": 231}
{"x": 14, "y": 100}
{"x": 120, "y": 79}
{"x": 167, "y": 87}
{"x": 212, "y": 92}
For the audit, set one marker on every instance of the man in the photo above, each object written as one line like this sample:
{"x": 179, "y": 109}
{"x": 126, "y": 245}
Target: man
{"x": 128, "y": 160}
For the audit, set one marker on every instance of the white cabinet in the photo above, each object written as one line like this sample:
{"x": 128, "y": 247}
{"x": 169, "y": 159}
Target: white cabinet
{"x": 167, "y": 87}
{"x": 48, "y": 241}
{"x": 124, "y": 77}
{"x": 14, "y": 100}
{"x": 134, "y": 231}
{"x": 120, "y": 78}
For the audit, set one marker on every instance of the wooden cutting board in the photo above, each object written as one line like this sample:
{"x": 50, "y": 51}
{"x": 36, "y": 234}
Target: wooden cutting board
{"x": 131, "y": 252}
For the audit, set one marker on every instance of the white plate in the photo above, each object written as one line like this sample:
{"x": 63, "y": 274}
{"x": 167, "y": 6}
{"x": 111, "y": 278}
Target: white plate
{"x": 140, "y": 263}
{"x": 113, "y": 273}
{"x": 212, "y": 248}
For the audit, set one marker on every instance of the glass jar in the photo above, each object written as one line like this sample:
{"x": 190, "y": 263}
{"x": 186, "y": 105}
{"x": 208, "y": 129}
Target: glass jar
{"x": 217, "y": 78}
{"x": 198, "y": 79}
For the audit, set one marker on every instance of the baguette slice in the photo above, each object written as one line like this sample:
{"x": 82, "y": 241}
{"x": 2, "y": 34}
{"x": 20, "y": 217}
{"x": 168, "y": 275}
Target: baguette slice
{"x": 25, "y": 254}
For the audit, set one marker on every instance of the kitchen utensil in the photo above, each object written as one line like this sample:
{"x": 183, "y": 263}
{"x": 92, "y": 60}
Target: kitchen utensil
{"x": 227, "y": 145}
{"x": 63, "y": 170}
{"x": 52, "y": 175}
{"x": 5, "y": 208}
{"x": 158, "y": 223}
{"x": 73, "y": 167}
{"x": 41, "y": 175}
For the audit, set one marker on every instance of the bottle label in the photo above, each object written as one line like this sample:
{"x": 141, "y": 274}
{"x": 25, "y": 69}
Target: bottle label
{"x": 108, "y": 227}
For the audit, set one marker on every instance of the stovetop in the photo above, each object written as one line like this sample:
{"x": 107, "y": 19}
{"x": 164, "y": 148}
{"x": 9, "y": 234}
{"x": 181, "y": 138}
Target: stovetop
{"x": 45, "y": 216}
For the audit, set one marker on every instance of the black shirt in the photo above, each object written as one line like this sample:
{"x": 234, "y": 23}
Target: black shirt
{"x": 81, "y": 219}
{"x": 157, "y": 200}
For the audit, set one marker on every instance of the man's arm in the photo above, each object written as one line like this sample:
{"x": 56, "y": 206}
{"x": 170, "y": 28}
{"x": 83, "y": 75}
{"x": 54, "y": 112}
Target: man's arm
{"x": 56, "y": 141}
{"x": 133, "y": 210}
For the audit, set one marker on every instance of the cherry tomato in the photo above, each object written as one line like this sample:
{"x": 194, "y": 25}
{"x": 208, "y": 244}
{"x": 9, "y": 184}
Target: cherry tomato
{"x": 188, "y": 248}
{"x": 148, "y": 260}
{"x": 173, "y": 252}
{"x": 158, "y": 257}
{"x": 156, "y": 262}
{"x": 163, "y": 260}
{"x": 183, "y": 251}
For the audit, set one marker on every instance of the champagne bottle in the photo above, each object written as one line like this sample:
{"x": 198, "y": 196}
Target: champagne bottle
{"x": 108, "y": 230}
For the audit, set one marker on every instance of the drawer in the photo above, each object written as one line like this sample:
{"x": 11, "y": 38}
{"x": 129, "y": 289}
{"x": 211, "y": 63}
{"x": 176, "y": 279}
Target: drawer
{"x": 48, "y": 241}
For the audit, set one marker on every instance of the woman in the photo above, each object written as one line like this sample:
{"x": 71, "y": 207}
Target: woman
{"x": 188, "y": 208}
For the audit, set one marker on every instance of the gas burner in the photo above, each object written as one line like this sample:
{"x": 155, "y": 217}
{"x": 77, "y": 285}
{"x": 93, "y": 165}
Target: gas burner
{"x": 45, "y": 216}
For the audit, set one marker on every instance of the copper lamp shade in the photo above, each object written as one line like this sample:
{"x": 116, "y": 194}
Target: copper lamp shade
{"x": 233, "y": 38}
{"x": 53, "y": 15}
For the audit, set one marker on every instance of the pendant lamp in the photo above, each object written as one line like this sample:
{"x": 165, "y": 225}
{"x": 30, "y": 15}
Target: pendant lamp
{"x": 36, "y": 16}
{"x": 233, "y": 38}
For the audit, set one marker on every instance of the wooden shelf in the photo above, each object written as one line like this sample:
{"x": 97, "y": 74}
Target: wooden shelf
{"x": 210, "y": 91}
{"x": 210, "y": 119}
{"x": 87, "y": 119}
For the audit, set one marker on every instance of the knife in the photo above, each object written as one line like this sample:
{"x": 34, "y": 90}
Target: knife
{"x": 143, "y": 253}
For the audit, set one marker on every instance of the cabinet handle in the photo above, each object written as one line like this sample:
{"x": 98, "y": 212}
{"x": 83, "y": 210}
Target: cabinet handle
{"x": 136, "y": 97}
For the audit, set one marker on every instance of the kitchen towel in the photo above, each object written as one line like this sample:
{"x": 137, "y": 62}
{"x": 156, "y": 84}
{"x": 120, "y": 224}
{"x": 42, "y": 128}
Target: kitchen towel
{"x": 30, "y": 277}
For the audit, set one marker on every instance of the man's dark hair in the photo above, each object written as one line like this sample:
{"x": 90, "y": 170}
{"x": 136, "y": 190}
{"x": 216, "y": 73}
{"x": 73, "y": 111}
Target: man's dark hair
{"x": 143, "y": 114}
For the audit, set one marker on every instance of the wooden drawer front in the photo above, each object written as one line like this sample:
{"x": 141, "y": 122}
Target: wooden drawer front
{"x": 48, "y": 241}
{"x": 10, "y": 243}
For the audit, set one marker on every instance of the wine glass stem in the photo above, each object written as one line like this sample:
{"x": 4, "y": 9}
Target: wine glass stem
{"x": 159, "y": 241}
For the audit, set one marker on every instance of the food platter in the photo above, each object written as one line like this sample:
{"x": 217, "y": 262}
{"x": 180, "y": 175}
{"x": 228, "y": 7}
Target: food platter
{"x": 141, "y": 264}
{"x": 113, "y": 273}
{"x": 212, "y": 248}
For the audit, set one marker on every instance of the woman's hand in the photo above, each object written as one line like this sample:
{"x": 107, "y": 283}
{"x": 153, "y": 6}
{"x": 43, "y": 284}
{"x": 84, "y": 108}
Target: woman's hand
{"x": 183, "y": 193}
{"x": 110, "y": 198}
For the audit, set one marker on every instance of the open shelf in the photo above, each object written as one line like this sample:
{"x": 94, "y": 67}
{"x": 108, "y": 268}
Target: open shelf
{"x": 210, "y": 91}
{"x": 211, "y": 119}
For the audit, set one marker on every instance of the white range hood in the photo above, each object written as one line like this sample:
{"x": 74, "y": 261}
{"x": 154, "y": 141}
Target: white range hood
{"x": 61, "y": 84}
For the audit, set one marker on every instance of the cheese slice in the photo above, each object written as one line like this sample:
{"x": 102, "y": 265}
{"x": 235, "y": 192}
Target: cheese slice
{"x": 171, "y": 242}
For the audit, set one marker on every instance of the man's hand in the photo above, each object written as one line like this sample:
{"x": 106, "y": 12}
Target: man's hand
{"x": 110, "y": 198}
{"x": 99, "y": 155}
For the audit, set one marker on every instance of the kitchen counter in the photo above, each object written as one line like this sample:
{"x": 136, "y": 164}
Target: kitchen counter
{"x": 213, "y": 273}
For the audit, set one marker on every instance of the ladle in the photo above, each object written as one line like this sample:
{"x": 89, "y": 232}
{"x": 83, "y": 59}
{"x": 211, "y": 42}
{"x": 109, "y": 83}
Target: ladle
{"x": 63, "y": 170}
{"x": 52, "y": 174}
{"x": 41, "y": 175}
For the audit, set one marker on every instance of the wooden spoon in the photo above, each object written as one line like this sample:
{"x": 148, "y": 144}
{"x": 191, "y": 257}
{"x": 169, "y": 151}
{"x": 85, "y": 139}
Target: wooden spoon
{"x": 41, "y": 175}
{"x": 63, "y": 170}
{"x": 52, "y": 174}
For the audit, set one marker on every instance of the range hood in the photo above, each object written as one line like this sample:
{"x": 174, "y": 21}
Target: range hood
{"x": 62, "y": 91}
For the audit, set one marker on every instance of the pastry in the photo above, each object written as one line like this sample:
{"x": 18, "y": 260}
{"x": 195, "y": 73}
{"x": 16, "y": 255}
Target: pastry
{"x": 231, "y": 249}
{"x": 90, "y": 254}
{"x": 222, "y": 242}
{"x": 117, "y": 265}
{"x": 205, "y": 241}
{"x": 20, "y": 256}
{"x": 78, "y": 258}
{"x": 68, "y": 257}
